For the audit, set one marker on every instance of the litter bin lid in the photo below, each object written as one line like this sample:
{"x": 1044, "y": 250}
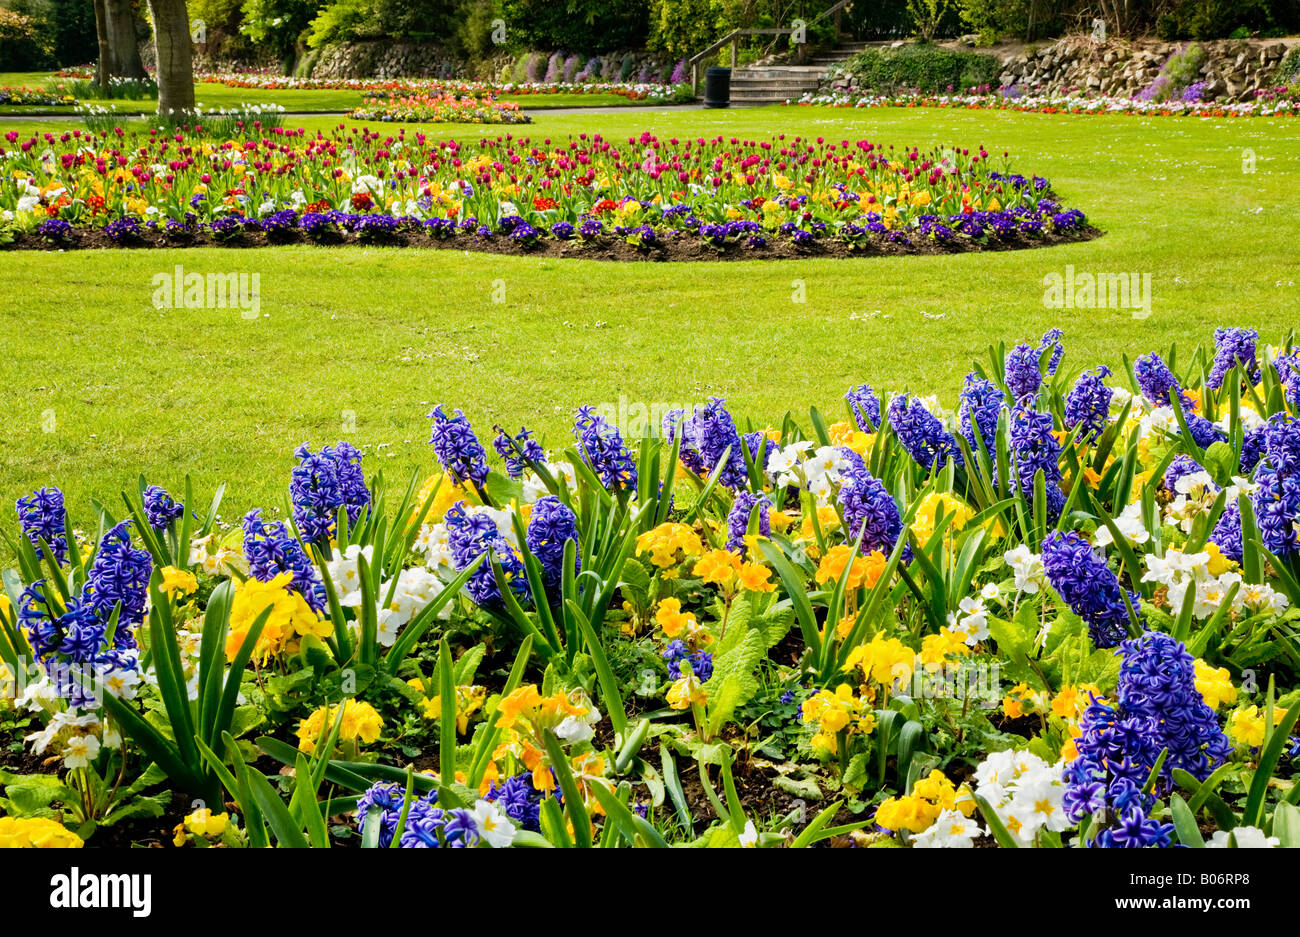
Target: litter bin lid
{"x": 717, "y": 70}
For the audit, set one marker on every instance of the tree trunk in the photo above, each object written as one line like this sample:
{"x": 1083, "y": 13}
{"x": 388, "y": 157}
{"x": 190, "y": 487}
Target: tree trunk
{"x": 104, "y": 64}
{"x": 171, "y": 39}
{"x": 125, "y": 50}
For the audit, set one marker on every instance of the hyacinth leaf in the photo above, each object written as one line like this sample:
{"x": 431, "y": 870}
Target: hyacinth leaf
{"x": 1183, "y": 624}
{"x": 1286, "y": 825}
{"x": 1154, "y": 774}
{"x": 996, "y": 826}
{"x": 284, "y": 827}
{"x": 1184, "y": 820}
{"x": 238, "y": 790}
{"x": 871, "y": 607}
{"x": 303, "y": 806}
{"x": 706, "y": 490}
{"x": 1123, "y": 547}
{"x": 1270, "y": 753}
{"x": 552, "y": 821}
{"x": 406, "y": 808}
{"x": 1187, "y": 443}
{"x": 604, "y": 674}
{"x": 631, "y": 746}
{"x": 573, "y": 805}
{"x": 486, "y": 745}
{"x": 447, "y": 713}
{"x": 794, "y": 587}
{"x": 216, "y": 619}
{"x": 638, "y": 833}
{"x": 350, "y": 775}
{"x": 673, "y": 784}
{"x": 815, "y": 831}
{"x": 910, "y": 738}
{"x": 230, "y": 692}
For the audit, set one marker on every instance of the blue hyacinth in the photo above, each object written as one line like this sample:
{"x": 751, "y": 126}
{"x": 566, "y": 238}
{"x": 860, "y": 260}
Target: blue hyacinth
{"x": 160, "y": 509}
{"x": 981, "y": 408}
{"x": 865, "y": 406}
{"x": 1022, "y": 372}
{"x": 601, "y": 447}
{"x": 1158, "y": 709}
{"x": 324, "y": 483}
{"x": 870, "y": 511}
{"x": 519, "y": 800}
{"x": 271, "y": 550}
{"x": 471, "y": 535}
{"x": 1233, "y": 348}
{"x": 551, "y": 525}
{"x": 709, "y": 433}
{"x": 1227, "y": 533}
{"x": 1181, "y": 467}
{"x": 1088, "y": 586}
{"x": 1036, "y": 449}
{"x": 518, "y": 451}
{"x": 119, "y": 575}
{"x": 457, "y": 448}
{"x": 1088, "y": 404}
{"x": 921, "y": 433}
{"x": 43, "y": 517}
{"x": 1158, "y": 383}
{"x": 738, "y": 519}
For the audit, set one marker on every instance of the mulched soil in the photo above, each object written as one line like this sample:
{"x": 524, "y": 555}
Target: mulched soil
{"x": 686, "y": 248}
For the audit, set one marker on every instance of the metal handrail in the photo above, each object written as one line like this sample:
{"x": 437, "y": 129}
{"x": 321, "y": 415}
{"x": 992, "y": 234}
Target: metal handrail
{"x": 733, "y": 38}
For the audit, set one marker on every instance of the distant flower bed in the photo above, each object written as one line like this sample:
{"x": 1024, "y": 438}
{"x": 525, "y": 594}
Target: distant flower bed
{"x": 637, "y": 91}
{"x": 439, "y": 109}
{"x": 724, "y": 194}
{"x": 35, "y": 97}
{"x": 1281, "y": 102}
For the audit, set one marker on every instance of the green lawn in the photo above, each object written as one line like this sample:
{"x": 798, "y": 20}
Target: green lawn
{"x": 384, "y": 334}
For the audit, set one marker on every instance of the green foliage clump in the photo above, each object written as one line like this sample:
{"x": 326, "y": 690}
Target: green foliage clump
{"x": 928, "y": 68}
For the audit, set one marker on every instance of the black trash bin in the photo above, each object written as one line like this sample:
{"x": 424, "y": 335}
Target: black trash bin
{"x": 717, "y": 87}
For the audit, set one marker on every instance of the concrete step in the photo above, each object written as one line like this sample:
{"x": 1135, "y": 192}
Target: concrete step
{"x": 772, "y": 85}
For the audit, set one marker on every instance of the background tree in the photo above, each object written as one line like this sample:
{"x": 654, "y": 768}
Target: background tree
{"x": 171, "y": 40}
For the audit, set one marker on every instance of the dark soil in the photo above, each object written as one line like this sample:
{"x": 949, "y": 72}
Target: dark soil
{"x": 678, "y": 249}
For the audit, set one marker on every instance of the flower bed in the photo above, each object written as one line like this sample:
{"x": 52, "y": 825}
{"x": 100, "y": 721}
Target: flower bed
{"x": 425, "y": 108}
{"x": 1032, "y": 620}
{"x": 649, "y": 92}
{"x": 716, "y": 197}
{"x": 1283, "y": 102}
{"x": 34, "y": 97}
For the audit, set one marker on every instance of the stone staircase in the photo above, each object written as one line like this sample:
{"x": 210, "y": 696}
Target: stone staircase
{"x": 754, "y": 85}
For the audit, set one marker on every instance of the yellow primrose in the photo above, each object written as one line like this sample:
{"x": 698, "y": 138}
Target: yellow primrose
{"x": 290, "y": 618}
{"x": 177, "y": 582}
{"x": 469, "y": 700}
{"x": 36, "y": 833}
{"x": 686, "y": 692}
{"x": 887, "y": 661}
{"x": 1214, "y": 684}
{"x": 670, "y": 617}
{"x": 360, "y": 724}
{"x": 933, "y": 507}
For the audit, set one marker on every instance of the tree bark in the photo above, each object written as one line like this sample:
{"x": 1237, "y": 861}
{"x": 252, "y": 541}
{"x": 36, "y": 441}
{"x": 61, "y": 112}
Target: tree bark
{"x": 104, "y": 64}
{"x": 171, "y": 39}
{"x": 125, "y": 49}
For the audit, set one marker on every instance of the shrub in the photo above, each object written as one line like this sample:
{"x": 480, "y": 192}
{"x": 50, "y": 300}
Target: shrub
{"x": 927, "y": 68}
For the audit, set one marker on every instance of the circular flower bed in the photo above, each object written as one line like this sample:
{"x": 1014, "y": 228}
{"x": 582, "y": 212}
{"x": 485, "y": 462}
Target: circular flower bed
{"x": 644, "y": 196}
